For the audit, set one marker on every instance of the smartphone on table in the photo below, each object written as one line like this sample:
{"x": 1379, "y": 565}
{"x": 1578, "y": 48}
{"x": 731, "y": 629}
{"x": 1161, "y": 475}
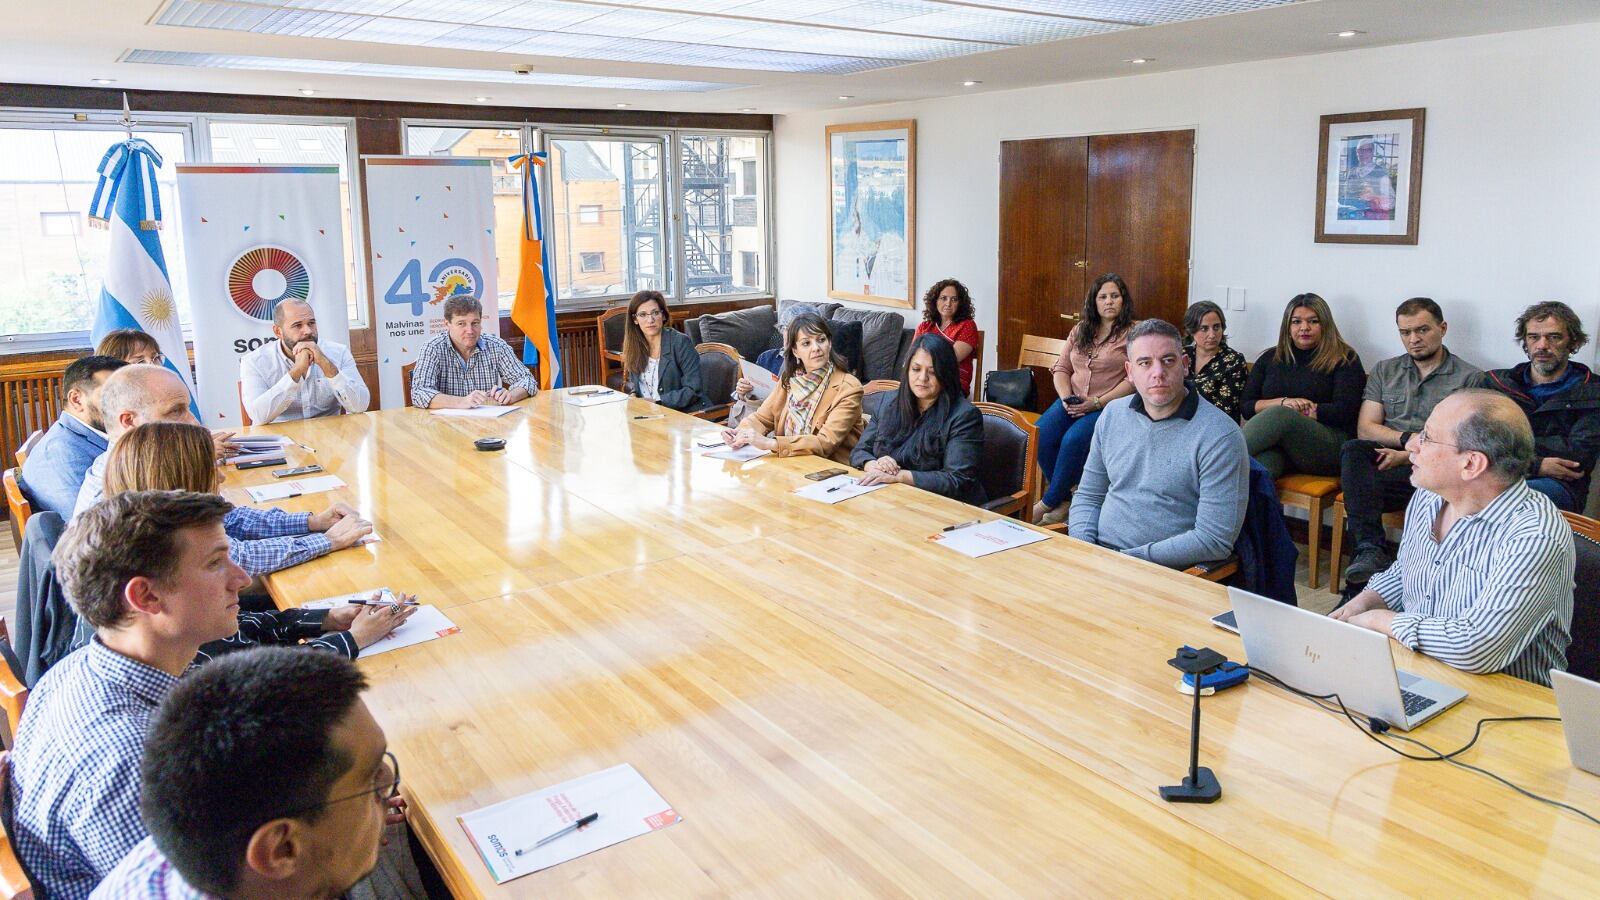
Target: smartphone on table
{"x": 825, "y": 474}
{"x": 297, "y": 470}
{"x": 262, "y": 463}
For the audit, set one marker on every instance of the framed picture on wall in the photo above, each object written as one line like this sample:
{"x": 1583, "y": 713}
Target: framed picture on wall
{"x": 872, "y": 212}
{"x": 1369, "y": 177}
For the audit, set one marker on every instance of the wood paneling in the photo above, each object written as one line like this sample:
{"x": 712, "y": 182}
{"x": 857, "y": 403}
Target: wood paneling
{"x": 1042, "y": 194}
{"x": 1139, "y": 194}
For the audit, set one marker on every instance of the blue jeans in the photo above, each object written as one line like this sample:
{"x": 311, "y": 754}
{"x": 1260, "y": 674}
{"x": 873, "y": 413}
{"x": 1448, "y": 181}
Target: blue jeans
{"x": 1063, "y": 449}
{"x": 1558, "y": 492}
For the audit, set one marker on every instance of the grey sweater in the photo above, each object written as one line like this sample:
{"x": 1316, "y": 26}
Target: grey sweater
{"x": 1173, "y": 492}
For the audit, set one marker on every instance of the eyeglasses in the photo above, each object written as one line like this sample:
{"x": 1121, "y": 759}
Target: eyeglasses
{"x": 1422, "y": 438}
{"x": 153, "y": 359}
{"x": 647, "y": 316}
{"x": 385, "y": 787}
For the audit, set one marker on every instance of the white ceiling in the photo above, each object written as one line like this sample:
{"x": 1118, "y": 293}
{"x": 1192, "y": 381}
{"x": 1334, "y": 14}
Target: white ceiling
{"x": 772, "y": 56}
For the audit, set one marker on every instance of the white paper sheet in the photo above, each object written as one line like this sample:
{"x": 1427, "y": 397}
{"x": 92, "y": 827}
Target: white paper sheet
{"x": 628, "y": 807}
{"x": 743, "y": 454}
{"x": 765, "y": 382}
{"x": 836, "y": 489}
{"x": 605, "y": 395}
{"x": 285, "y": 489}
{"x": 477, "y": 412}
{"x": 426, "y": 624}
{"x": 990, "y": 537}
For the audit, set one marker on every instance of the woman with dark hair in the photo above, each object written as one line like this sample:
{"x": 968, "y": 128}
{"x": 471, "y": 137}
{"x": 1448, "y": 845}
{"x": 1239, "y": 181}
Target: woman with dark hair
{"x": 931, "y": 436}
{"x": 1219, "y": 372}
{"x": 947, "y": 312}
{"x": 816, "y": 408}
{"x": 1301, "y": 401}
{"x": 661, "y": 363}
{"x": 1091, "y": 372}
{"x": 132, "y": 346}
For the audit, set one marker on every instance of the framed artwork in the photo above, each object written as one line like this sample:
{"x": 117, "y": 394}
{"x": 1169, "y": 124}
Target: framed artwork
{"x": 872, "y": 212}
{"x": 1369, "y": 177}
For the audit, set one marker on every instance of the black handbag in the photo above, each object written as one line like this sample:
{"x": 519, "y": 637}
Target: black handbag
{"x": 1011, "y": 387}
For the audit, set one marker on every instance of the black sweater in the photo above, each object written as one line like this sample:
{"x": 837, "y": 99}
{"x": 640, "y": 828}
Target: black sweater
{"x": 1337, "y": 393}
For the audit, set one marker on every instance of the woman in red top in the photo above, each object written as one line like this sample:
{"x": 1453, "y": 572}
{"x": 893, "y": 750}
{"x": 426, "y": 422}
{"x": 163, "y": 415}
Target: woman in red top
{"x": 947, "y": 311}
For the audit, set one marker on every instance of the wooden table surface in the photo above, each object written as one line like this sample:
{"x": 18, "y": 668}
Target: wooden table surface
{"x": 837, "y": 707}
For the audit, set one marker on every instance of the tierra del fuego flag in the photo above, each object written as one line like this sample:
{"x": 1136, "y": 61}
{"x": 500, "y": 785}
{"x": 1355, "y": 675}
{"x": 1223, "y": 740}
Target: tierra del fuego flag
{"x": 136, "y": 292}
{"x": 534, "y": 309}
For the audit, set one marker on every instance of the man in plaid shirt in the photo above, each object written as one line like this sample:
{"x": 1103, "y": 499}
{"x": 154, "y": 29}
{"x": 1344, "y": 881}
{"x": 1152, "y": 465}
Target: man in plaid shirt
{"x": 464, "y": 367}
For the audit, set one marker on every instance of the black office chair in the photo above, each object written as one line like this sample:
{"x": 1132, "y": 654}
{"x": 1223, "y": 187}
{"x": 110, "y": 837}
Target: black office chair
{"x": 1008, "y": 473}
{"x": 719, "y": 372}
{"x": 1583, "y": 654}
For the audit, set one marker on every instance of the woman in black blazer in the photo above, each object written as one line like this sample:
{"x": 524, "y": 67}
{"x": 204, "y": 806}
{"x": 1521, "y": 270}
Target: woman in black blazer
{"x": 662, "y": 364}
{"x": 930, "y": 437}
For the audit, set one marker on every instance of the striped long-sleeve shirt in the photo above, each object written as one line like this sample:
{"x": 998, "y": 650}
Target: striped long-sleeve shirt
{"x": 1495, "y": 595}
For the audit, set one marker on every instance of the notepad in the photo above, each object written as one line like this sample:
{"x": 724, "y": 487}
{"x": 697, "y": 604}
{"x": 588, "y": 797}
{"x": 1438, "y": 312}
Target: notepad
{"x": 627, "y": 806}
{"x": 286, "y": 489}
{"x": 426, "y": 624}
{"x": 764, "y": 381}
{"x": 990, "y": 537}
{"x": 596, "y": 399}
{"x": 743, "y": 454}
{"x": 477, "y": 412}
{"x": 837, "y": 489}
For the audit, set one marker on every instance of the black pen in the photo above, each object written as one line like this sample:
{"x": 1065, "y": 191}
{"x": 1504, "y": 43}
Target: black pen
{"x": 963, "y": 525}
{"x": 839, "y": 487}
{"x": 382, "y": 603}
{"x": 661, "y": 416}
{"x": 564, "y": 831}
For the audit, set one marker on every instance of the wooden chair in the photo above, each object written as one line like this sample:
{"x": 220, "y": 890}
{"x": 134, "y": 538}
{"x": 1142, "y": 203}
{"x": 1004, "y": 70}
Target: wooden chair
{"x": 14, "y": 884}
{"x": 1396, "y": 519}
{"x": 976, "y": 393}
{"x": 1583, "y": 654}
{"x": 27, "y": 447}
{"x": 244, "y": 414}
{"x": 17, "y": 503}
{"x": 405, "y": 382}
{"x": 1036, "y": 352}
{"x": 1007, "y": 471}
{"x": 13, "y": 695}
{"x": 613, "y": 322}
{"x": 1589, "y": 528}
{"x": 879, "y": 384}
{"x": 721, "y": 366}
{"x": 30, "y": 400}
{"x": 1310, "y": 493}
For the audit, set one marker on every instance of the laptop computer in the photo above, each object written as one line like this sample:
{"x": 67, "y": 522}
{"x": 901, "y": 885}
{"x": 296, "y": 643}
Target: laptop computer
{"x": 1579, "y": 702}
{"x": 1320, "y": 655}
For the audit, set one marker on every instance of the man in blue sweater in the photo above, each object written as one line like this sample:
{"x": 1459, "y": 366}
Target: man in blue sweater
{"x": 1168, "y": 476}
{"x": 54, "y": 471}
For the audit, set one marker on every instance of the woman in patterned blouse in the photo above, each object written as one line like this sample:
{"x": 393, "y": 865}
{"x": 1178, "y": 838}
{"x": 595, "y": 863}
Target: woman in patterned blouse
{"x": 1219, "y": 371}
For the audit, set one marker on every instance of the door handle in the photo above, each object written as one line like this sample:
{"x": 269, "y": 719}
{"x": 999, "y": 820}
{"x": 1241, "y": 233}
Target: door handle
{"x": 1078, "y": 264}
{"x": 1070, "y": 317}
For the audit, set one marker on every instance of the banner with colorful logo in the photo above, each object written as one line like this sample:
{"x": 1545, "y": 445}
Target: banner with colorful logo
{"x": 256, "y": 236}
{"x": 430, "y": 230}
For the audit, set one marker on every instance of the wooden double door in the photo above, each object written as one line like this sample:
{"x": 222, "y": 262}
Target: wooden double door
{"x": 1073, "y": 209}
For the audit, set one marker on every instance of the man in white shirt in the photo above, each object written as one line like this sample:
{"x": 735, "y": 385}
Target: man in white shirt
{"x": 296, "y": 376}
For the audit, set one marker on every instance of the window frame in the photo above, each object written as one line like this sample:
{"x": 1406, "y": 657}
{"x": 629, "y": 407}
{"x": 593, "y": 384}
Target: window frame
{"x": 195, "y": 130}
{"x": 768, "y": 289}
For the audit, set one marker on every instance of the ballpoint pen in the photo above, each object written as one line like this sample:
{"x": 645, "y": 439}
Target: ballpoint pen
{"x": 555, "y": 834}
{"x": 382, "y": 603}
{"x": 839, "y": 487}
{"x": 305, "y": 448}
{"x": 661, "y": 416}
{"x": 963, "y": 524}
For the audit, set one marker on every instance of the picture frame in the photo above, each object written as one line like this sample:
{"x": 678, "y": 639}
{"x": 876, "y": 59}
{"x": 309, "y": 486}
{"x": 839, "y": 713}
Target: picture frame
{"x": 872, "y": 212}
{"x": 1369, "y": 177}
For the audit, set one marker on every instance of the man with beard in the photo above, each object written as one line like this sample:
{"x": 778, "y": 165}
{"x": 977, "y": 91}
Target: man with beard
{"x": 1561, "y": 399}
{"x": 53, "y": 473}
{"x": 1375, "y": 469}
{"x": 296, "y": 376}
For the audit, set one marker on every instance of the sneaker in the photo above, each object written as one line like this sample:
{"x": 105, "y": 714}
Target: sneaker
{"x": 1367, "y": 562}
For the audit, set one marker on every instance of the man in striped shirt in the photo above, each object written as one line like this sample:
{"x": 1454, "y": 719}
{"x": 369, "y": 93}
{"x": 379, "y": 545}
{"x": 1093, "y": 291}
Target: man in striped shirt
{"x": 1483, "y": 580}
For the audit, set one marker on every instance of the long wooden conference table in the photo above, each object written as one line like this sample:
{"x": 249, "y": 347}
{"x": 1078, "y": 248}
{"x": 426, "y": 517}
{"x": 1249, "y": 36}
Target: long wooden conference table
{"x": 837, "y": 707}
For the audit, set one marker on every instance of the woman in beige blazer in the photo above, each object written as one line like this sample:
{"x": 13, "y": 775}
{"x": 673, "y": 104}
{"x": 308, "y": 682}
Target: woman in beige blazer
{"x": 816, "y": 408}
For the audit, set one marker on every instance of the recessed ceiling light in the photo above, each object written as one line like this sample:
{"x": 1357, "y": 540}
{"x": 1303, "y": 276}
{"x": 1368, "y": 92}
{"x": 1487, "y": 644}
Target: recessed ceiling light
{"x": 103, "y": 80}
{"x": 847, "y": 96}
{"x": 1346, "y": 34}
{"x": 622, "y": 106}
{"x": 480, "y": 99}
{"x": 970, "y": 83}
{"x": 307, "y": 91}
{"x": 1138, "y": 60}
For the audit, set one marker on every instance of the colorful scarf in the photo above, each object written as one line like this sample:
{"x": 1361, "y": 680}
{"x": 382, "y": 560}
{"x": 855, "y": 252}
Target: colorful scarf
{"x": 805, "y": 393}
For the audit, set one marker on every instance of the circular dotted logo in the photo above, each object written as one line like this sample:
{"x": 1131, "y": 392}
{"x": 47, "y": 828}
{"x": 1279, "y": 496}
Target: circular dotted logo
{"x": 262, "y": 277}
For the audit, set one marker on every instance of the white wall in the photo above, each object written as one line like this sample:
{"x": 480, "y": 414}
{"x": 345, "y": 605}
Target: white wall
{"x": 1510, "y": 188}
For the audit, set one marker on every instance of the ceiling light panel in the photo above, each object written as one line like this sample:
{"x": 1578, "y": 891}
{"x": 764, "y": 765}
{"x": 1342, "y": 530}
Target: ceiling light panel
{"x": 479, "y": 37}
{"x": 430, "y": 73}
{"x": 1149, "y": 12}
{"x": 853, "y": 43}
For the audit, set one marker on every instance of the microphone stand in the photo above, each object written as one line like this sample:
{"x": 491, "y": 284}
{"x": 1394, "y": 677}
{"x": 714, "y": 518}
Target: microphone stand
{"x": 1200, "y": 785}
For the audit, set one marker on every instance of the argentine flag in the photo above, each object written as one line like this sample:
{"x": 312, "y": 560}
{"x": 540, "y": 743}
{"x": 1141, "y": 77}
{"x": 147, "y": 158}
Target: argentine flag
{"x": 137, "y": 293}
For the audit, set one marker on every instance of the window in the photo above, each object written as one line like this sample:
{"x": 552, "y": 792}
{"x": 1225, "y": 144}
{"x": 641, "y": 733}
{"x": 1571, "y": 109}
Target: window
{"x": 501, "y": 144}
{"x": 717, "y": 224}
{"x": 622, "y": 174}
{"x": 295, "y": 144}
{"x": 51, "y": 267}
{"x": 60, "y": 224}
